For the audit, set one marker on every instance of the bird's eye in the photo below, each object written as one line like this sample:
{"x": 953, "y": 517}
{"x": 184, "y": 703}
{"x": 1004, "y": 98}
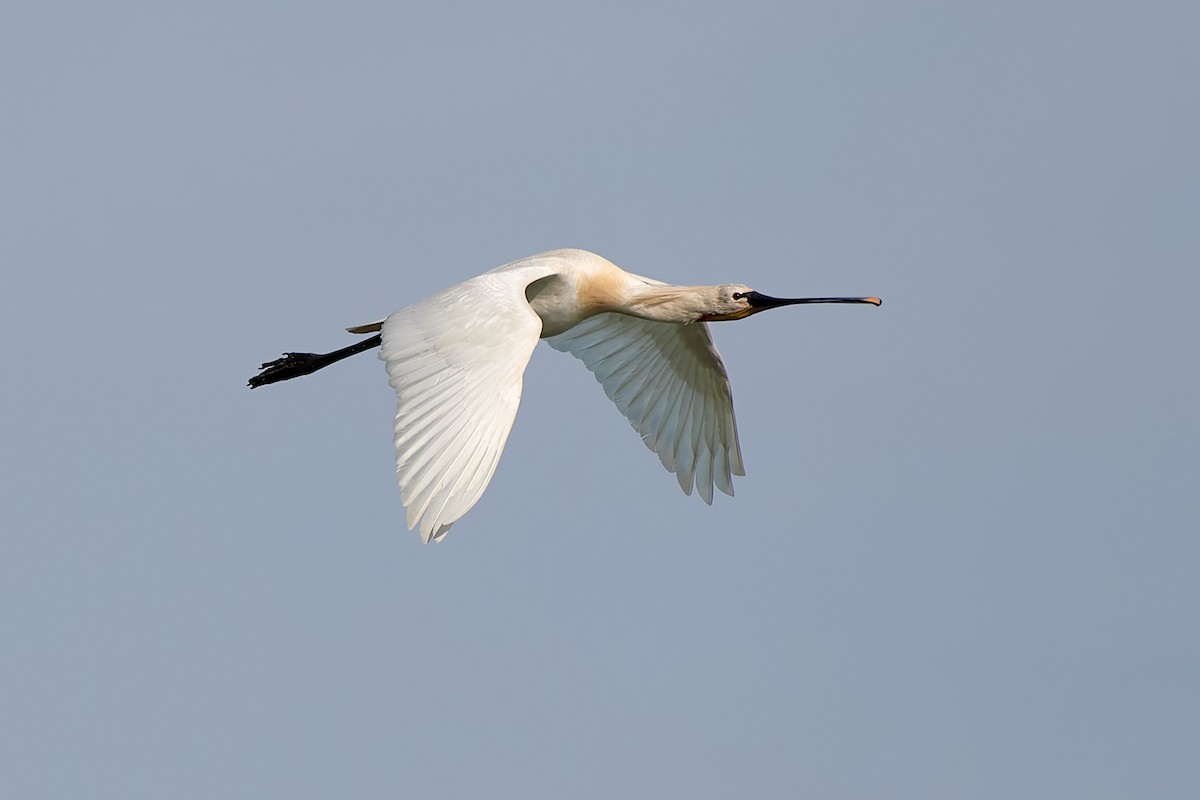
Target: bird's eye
{"x": 738, "y": 295}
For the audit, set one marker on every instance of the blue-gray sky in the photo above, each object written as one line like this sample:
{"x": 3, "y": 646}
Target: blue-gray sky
{"x": 962, "y": 563}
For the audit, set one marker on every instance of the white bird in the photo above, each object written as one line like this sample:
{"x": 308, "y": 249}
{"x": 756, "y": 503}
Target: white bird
{"x": 456, "y": 361}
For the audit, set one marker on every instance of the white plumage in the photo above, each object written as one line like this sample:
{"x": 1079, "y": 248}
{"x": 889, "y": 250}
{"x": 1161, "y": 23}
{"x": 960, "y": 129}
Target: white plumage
{"x": 669, "y": 382}
{"x": 456, "y": 361}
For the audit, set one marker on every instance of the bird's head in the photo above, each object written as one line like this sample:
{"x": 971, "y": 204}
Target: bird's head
{"x": 736, "y": 300}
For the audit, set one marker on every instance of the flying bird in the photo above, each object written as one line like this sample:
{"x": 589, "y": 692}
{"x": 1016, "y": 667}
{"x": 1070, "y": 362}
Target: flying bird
{"x": 456, "y": 361}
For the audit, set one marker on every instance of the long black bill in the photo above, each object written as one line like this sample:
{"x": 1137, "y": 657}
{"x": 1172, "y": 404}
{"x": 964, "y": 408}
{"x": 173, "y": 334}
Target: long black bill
{"x": 759, "y": 300}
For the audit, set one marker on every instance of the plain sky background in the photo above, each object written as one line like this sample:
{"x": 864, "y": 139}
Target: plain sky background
{"x": 963, "y": 562}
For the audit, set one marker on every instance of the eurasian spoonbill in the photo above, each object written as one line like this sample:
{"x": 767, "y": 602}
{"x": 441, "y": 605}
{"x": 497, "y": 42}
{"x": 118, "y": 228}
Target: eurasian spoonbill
{"x": 456, "y": 361}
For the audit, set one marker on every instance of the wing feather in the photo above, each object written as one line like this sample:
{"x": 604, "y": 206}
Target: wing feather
{"x": 456, "y": 362}
{"x": 670, "y": 383}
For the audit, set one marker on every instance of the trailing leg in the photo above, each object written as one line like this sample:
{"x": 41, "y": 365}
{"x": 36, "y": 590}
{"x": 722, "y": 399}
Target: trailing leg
{"x": 293, "y": 365}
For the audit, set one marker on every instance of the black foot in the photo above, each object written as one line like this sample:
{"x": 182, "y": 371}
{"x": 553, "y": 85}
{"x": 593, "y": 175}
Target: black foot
{"x": 292, "y": 365}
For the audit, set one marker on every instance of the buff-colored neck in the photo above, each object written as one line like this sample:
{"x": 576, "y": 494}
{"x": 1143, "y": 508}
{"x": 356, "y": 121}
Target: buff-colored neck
{"x": 678, "y": 304}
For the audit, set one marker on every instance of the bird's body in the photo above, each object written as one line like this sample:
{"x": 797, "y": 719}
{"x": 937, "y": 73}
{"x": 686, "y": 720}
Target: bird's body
{"x": 456, "y": 361}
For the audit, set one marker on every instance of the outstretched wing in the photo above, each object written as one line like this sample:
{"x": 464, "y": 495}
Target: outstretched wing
{"x": 670, "y": 383}
{"x": 456, "y": 362}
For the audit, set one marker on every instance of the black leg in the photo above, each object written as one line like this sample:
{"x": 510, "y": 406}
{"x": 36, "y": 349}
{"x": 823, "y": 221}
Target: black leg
{"x": 293, "y": 365}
